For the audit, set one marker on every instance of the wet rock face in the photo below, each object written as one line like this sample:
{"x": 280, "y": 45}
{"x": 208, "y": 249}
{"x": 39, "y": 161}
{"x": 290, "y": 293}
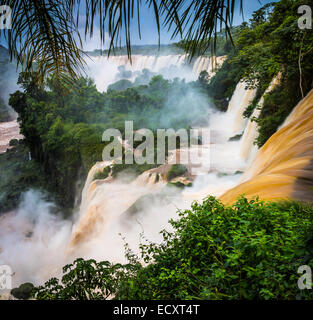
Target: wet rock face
{"x": 8, "y": 131}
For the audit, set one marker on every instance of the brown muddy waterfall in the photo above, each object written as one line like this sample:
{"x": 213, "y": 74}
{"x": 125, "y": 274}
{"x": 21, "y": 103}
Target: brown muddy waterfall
{"x": 281, "y": 169}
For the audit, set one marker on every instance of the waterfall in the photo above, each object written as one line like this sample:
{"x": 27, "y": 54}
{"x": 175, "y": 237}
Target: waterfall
{"x": 100, "y": 197}
{"x": 247, "y": 149}
{"x": 282, "y": 168}
{"x": 240, "y": 100}
{"x": 8, "y": 131}
{"x": 157, "y": 63}
{"x": 104, "y": 69}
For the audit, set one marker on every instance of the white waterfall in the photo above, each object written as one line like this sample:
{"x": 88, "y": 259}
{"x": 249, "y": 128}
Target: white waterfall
{"x": 240, "y": 100}
{"x": 104, "y": 69}
{"x": 248, "y": 149}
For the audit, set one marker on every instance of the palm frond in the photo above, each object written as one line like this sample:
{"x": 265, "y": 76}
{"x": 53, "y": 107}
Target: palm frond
{"x": 199, "y": 21}
{"x": 43, "y": 37}
{"x": 45, "y": 31}
{"x": 196, "y": 21}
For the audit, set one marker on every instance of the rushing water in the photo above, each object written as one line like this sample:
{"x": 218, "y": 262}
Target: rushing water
{"x": 282, "y": 168}
{"x": 37, "y": 243}
{"x": 104, "y": 69}
{"x": 8, "y": 131}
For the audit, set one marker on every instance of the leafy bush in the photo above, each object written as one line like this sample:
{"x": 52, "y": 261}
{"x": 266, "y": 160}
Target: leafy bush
{"x": 251, "y": 250}
{"x": 132, "y": 169}
{"x": 24, "y": 291}
{"x": 13, "y": 143}
{"x": 85, "y": 280}
{"x": 101, "y": 175}
{"x": 176, "y": 171}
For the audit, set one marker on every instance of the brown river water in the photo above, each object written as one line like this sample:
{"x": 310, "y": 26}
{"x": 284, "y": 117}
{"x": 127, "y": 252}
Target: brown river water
{"x": 8, "y": 131}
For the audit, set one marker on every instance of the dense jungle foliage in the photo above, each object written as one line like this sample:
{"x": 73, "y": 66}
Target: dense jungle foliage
{"x": 251, "y": 250}
{"x": 17, "y": 175}
{"x": 270, "y": 43}
{"x": 63, "y": 125}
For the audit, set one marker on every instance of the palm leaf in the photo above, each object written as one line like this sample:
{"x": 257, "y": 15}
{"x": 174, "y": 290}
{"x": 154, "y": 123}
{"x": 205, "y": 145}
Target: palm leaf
{"x": 45, "y": 31}
{"x": 43, "y": 37}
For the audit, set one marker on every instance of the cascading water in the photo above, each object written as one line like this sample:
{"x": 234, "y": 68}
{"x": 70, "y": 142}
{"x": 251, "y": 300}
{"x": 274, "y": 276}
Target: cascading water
{"x": 247, "y": 149}
{"x": 100, "y": 197}
{"x": 102, "y": 216}
{"x": 283, "y": 170}
{"x": 170, "y": 66}
{"x": 278, "y": 171}
{"x": 225, "y": 158}
{"x": 8, "y": 131}
{"x": 240, "y": 100}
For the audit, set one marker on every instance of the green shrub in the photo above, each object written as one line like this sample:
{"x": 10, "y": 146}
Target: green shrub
{"x": 101, "y": 175}
{"x": 176, "y": 171}
{"x": 131, "y": 169}
{"x": 251, "y": 250}
{"x": 13, "y": 143}
{"x": 24, "y": 291}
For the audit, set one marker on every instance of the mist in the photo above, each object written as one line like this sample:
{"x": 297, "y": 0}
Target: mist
{"x": 10, "y": 74}
{"x": 32, "y": 239}
{"x": 37, "y": 242}
{"x": 105, "y": 70}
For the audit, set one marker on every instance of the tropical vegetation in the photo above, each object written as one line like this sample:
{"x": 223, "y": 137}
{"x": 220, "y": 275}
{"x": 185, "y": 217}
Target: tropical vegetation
{"x": 250, "y": 250}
